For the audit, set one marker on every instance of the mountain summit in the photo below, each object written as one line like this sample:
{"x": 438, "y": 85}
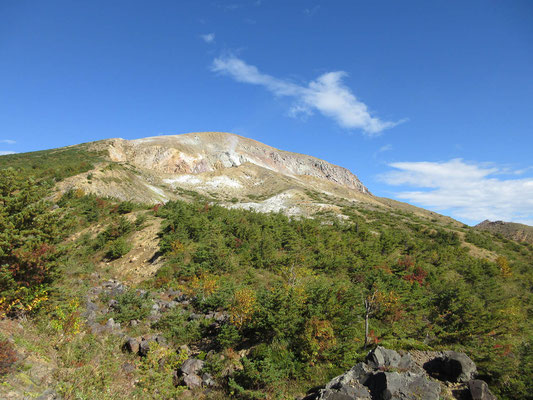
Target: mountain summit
{"x": 224, "y": 167}
{"x": 209, "y": 152}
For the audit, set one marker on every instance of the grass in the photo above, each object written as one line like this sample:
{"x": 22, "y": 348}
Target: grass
{"x": 55, "y": 164}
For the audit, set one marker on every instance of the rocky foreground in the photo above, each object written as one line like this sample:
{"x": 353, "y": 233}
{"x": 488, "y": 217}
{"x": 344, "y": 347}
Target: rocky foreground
{"x": 384, "y": 375}
{"x": 423, "y": 375}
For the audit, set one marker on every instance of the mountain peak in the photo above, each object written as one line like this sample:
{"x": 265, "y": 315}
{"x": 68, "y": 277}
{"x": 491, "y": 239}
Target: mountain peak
{"x": 205, "y": 152}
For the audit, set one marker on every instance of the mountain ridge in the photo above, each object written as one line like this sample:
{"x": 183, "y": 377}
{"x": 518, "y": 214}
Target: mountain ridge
{"x": 510, "y": 230}
{"x": 201, "y": 152}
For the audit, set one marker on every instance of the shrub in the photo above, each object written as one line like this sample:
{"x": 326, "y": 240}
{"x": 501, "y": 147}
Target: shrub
{"x": 176, "y": 328}
{"x": 228, "y": 337}
{"x": 131, "y": 305}
{"x": 125, "y": 207}
{"x": 8, "y": 357}
{"x": 118, "y": 248}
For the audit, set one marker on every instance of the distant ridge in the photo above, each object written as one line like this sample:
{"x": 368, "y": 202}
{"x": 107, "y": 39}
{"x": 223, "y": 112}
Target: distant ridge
{"x": 510, "y": 230}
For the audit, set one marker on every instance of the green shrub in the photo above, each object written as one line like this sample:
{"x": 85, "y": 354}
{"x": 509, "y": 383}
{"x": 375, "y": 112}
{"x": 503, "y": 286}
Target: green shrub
{"x": 117, "y": 248}
{"x": 175, "y": 327}
{"x": 125, "y": 207}
{"x": 228, "y": 336}
{"x": 131, "y": 305}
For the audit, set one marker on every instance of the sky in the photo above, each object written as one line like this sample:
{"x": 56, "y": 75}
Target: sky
{"x": 427, "y": 102}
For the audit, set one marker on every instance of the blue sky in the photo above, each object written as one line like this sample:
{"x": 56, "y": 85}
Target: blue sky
{"x": 429, "y": 102}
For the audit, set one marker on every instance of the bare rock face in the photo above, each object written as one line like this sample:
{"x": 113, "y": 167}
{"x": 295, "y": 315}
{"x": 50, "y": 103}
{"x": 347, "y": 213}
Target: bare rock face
{"x": 197, "y": 153}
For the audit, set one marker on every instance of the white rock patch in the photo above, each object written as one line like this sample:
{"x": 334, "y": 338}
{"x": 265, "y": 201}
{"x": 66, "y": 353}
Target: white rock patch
{"x": 157, "y": 191}
{"x": 189, "y": 179}
{"x": 223, "y": 181}
{"x": 277, "y": 203}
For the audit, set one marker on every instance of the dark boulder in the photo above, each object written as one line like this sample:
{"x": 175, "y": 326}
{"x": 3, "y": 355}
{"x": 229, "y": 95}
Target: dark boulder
{"x": 479, "y": 390}
{"x": 402, "y": 386}
{"x": 452, "y": 366}
{"x": 345, "y": 393}
{"x": 391, "y": 375}
{"x": 207, "y": 380}
{"x": 132, "y": 345}
{"x": 382, "y": 358}
{"x": 188, "y": 374}
{"x": 192, "y": 381}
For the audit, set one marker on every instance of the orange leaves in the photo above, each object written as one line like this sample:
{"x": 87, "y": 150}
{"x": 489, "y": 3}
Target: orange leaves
{"x": 8, "y": 357}
{"x": 406, "y": 262}
{"x": 31, "y": 266}
{"x": 318, "y": 337}
{"x": 418, "y": 275}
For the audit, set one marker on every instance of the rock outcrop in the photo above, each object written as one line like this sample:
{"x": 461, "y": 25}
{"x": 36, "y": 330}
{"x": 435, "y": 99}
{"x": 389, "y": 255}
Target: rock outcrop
{"x": 197, "y": 153}
{"x": 390, "y": 375}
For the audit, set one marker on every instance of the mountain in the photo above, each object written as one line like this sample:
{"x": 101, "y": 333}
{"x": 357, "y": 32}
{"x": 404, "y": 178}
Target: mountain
{"x": 134, "y": 270}
{"x": 220, "y": 166}
{"x": 510, "y": 230}
{"x": 226, "y": 168}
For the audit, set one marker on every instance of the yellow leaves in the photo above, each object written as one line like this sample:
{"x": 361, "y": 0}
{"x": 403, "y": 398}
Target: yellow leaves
{"x": 177, "y": 247}
{"x": 23, "y": 302}
{"x": 204, "y": 285}
{"x": 505, "y": 269}
{"x": 389, "y": 303}
{"x": 243, "y": 307}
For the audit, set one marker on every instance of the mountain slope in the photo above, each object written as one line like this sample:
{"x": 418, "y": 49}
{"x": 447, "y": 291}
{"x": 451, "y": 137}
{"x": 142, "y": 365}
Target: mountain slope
{"x": 228, "y": 169}
{"x": 510, "y": 230}
{"x": 270, "y": 306}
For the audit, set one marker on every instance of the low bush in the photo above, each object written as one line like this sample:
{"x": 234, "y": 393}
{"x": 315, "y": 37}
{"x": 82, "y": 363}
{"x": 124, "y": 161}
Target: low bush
{"x": 8, "y": 357}
{"x": 131, "y": 305}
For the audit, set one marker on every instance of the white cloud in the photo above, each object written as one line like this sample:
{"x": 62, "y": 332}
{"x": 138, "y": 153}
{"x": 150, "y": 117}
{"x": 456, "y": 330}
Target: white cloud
{"x": 469, "y": 191}
{"x": 327, "y": 94}
{"x": 8, "y": 141}
{"x": 208, "y": 37}
{"x": 6, "y": 152}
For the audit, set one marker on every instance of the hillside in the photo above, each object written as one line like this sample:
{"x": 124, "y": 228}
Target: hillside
{"x": 510, "y": 230}
{"x": 221, "y": 167}
{"x": 109, "y": 293}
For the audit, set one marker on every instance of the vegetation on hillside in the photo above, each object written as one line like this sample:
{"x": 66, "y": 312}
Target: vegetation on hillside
{"x": 296, "y": 291}
{"x": 293, "y": 290}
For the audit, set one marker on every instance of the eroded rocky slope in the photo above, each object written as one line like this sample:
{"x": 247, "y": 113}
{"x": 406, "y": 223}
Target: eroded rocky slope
{"x": 228, "y": 169}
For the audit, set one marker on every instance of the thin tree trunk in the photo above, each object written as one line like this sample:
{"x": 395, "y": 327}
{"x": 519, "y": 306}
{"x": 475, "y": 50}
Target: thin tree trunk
{"x": 366, "y": 329}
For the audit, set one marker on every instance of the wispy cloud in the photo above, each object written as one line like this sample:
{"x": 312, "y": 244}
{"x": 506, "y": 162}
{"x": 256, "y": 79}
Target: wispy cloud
{"x": 6, "y": 152}
{"x": 469, "y": 191}
{"x": 383, "y": 149}
{"x": 208, "y": 37}
{"x": 8, "y": 141}
{"x": 311, "y": 11}
{"x": 387, "y": 147}
{"x": 327, "y": 94}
